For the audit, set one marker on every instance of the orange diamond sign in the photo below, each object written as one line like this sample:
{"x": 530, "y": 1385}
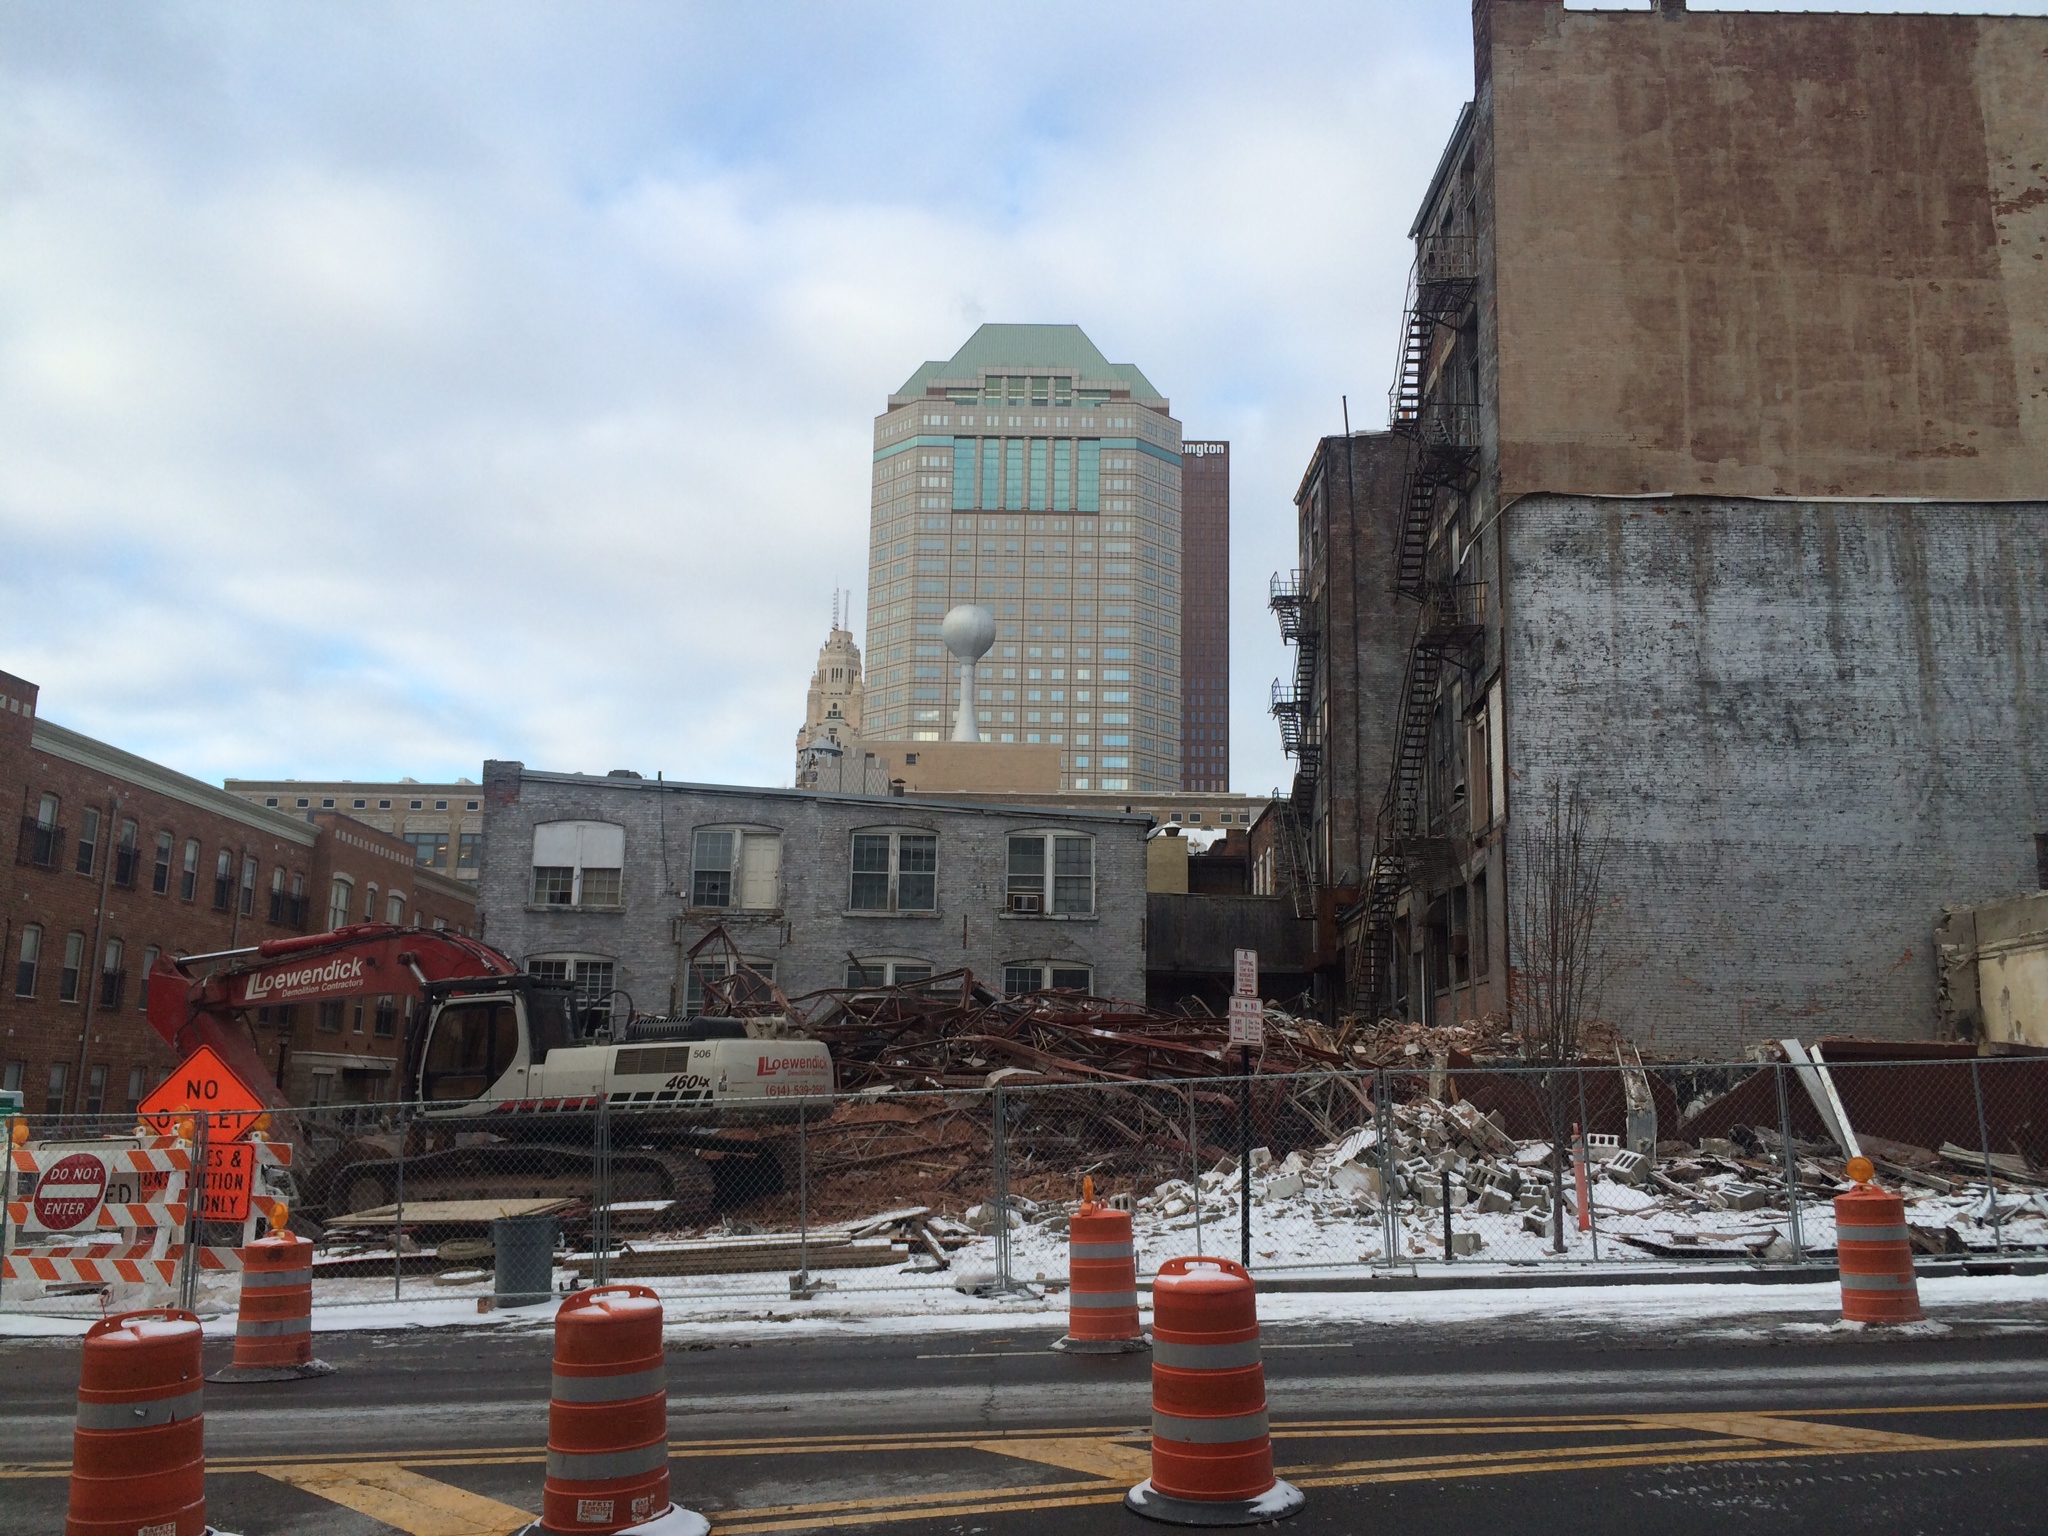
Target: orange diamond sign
{"x": 202, "y": 1086}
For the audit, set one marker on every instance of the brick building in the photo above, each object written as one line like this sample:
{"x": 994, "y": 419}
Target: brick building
{"x": 1724, "y": 370}
{"x": 442, "y": 823}
{"x": 608, "y": 882}
{"x": 117, "y": 860}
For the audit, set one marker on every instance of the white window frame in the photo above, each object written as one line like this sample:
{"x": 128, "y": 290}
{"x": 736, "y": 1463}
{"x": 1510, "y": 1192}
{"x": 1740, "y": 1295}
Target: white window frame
{"x": 754, "y": 874}
{"x": 576, "y": 846}
{"x": 341, "y": 899}
{"x": 1048, "y": 893}
{"x": 575, "y": 960}
{"x": 888, "y": 966}
{"x": 1045, "y": 967}
{"x": 715, "y": 968}
{"x": 895, "y": 907}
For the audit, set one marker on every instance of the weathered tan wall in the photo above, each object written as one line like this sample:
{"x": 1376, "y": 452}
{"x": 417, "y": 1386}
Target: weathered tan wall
{"x": 1770, "y": 255}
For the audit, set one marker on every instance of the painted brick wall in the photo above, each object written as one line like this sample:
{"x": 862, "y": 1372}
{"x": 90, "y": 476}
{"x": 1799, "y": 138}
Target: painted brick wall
{"x": 1810, "y": 725}
{"x": 811, "y": 935}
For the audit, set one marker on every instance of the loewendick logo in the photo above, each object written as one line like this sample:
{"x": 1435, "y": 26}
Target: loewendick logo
{"x": 307, "y": 978}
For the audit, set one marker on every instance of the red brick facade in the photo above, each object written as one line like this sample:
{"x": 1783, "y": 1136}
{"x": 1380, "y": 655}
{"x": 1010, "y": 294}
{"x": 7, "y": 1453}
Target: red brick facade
{"x": 115, "y": 859}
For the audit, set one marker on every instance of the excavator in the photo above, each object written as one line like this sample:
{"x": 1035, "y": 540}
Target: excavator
{"x": 509, "y": 1082}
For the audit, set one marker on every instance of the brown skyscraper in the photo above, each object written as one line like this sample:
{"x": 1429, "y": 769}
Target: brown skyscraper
{"x": 1205, "y": 616}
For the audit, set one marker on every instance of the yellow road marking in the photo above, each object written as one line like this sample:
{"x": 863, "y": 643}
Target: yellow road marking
{"x": 1097, "y": 1458}
{"x": 419, "y": 1506}
{"x": 1502, "y": 1460}
{"x": 1764, "y": 1426}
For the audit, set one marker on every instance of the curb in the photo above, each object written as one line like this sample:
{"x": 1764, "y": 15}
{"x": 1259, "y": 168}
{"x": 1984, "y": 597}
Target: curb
{"x": 1776, "y": 1275}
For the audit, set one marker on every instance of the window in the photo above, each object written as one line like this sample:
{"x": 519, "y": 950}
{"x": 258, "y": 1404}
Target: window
{"x": 96, "y": 1089}
{"x": 394, "y": 908}
{"x": 383, "y": 805}
{"x": 440, "y": 805}
{"x": 429, "y": 848}
{"x": 469, "y": 851}
{"x": 13, "y": 1075}
{"x": 160, "y": 878}
{"x": 341, "y": 901}
{"x": 223, "y": 880}
{"x": 887, "y": 973}
{"x": 386, "y": 1024}
{"x": 127, "y": 854}
{"x": 248, "y": 900}
{"x": 25, "y": 963}
{"x": 1051, "y": 872}
{"x": 321, "y": 1089}
{"x": 578, "y": 864}
{"x": 327, "y": 805}
{"x": 716, "y": 968}
{"x": 469, "y": 805}
{"x": 895, "y": 872}
{"x": 113, "y": 979}
{"x": 1035, "y": 975}
{"x": 413, "y": 805}
{"x": 74, "y": 962}
{"x": 138, "y": 1086}
{"x": 277, "y": 894}
{"x": 88, "y": 838}
{"x": 59, "y": 1083}
{"x": 328, "y": 1019}
{"x": 189, "y": 886}
{"x": 735, "y": 868}
{"x": 472, "y": 1046}
{"x": 149, "y": 957}
{"x": 359, "y": 805}
{"x": 1479, "y": 934}
{"x": 370, "y": 905}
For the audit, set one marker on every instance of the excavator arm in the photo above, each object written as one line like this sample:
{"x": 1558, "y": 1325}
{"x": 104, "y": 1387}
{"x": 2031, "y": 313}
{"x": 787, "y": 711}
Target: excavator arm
{"x": 194, "y": 1000}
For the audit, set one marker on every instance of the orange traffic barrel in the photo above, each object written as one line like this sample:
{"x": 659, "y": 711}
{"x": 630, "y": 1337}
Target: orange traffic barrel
{"x": 1102, "y": 1295}
{"x": 138, "y": 1454}
{"x": 274, "y": 1320}
{"x": 1874, "y": 1253}
{"x": 1212, "y": 1454}
{"x": 608, "y": 1419}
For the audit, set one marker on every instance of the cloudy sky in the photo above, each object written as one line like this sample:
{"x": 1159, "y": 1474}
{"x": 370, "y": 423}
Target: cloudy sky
{"x": 384, "y": 387}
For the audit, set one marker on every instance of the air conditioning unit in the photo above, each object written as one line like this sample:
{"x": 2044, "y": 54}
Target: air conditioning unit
{"x": 1022, "y": 902}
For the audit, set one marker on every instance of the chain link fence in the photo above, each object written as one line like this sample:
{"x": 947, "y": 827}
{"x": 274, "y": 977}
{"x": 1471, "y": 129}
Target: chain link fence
{"x": 1341, "y": 1173}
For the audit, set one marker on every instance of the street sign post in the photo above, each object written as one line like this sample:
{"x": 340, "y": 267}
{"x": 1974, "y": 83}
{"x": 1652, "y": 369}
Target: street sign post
{"x": 203, "y": 1087}
{"x": 1247, "y": 983}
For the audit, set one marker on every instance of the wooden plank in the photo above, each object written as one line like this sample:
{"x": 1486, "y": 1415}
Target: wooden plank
{"x": 447, "y": 1212}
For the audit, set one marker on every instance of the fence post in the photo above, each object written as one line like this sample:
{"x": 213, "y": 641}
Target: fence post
{"x": 803, "y": 1196}
{"x": 1586, "y": 1130}
{"x": 1791, "y": 1170}
{"x": 1390, "y": 1218}
{"x": 398, "y": 1215}
{"x": 1195, "y": 1164}
{"x": 195, "y": 1198}
{"x": 1984, "y": 1137}
{"x": 601, "y": 1195}
{"x": 999, "y": 1176}
{"x": 1244, "y": 1156}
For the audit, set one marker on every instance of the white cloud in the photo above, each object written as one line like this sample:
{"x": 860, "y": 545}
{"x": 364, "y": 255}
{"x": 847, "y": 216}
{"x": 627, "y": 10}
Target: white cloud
{"x": 387, "y": 389}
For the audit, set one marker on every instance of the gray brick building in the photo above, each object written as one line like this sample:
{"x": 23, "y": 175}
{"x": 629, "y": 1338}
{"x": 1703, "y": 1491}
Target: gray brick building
{"x": 609, "y": 882}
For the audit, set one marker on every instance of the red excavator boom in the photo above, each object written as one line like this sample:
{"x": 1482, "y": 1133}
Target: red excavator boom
{"x": 191, "y": 1005}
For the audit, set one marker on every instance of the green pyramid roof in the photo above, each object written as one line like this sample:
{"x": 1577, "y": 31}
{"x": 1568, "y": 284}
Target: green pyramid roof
{"x": 1029, "y": 349}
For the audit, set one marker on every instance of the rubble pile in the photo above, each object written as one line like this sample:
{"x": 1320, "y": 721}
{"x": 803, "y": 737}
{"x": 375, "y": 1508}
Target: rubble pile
{"x": 954, "y": 1032}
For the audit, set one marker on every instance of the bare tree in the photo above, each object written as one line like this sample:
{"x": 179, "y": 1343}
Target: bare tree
{"x": 1558, "y": 966}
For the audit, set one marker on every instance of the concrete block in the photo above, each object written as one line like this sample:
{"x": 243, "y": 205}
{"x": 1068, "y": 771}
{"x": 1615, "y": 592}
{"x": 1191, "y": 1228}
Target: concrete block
{"x": 1536, "y": 1221}
{"x": 1628, "y": 1167}
{"x": 1261, "y": 1157}
{"x": 1599, "y": 1147}
{"x": 1495, "y": 1202}
{"x": 1745, "y": 1197}
{"x": 1282, "y": 1186}
{"x": 1465, "y": 1244}
{"x": 1354, "y": 1180}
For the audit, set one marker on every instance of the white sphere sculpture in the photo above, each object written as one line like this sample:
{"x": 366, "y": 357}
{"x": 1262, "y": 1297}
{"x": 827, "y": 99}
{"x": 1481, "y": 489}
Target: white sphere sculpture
{"x": 968, "y": 632}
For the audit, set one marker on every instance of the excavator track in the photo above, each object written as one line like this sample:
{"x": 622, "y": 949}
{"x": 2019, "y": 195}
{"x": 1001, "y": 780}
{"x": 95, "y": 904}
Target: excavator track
{"x": 526, "y": 1171}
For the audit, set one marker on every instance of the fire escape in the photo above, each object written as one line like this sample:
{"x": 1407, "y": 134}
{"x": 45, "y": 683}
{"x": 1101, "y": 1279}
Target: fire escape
{"x": 1452, "y": 614}
{"x": 1300, "y": 737}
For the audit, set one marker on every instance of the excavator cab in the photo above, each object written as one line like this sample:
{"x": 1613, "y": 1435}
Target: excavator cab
{"x": 483, "y": 1037}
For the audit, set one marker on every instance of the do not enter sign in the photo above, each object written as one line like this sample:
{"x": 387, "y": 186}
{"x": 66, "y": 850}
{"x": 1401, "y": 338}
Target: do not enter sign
{"x": 69, "y": 1191}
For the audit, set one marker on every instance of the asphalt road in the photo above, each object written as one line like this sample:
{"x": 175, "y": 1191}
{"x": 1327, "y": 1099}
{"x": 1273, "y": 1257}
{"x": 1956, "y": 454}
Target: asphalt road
{"x": 1719, "y": 1431}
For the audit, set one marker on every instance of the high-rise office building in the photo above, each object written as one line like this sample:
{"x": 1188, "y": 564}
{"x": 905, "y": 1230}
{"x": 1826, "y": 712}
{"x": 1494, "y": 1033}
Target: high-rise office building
{"x": 1031, "y": 475}
{"x": 1205, "y": 616}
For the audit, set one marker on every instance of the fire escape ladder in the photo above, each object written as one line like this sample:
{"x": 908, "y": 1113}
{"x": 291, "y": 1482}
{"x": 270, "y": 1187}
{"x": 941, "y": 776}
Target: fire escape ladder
{"x": 1293, "y": 707}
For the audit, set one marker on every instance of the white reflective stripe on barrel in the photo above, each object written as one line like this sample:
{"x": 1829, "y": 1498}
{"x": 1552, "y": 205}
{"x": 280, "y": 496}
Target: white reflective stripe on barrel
{"x": 603, "y": 1466}
{"x": 1872, "y": 1235}
{"x": 247, "y": 1329}
{"x": 1243, "y": 1426}
{"x": 1088, "y": 1299}
{"x": 1101, "y": 1250}
{"x": 1876, "y": 1282}
{"x": 261, "y": 1278}
{"x": 1204, "y": 1357}
{"x": 150, "y": 1415}
{"x": 609, "y": 1389}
